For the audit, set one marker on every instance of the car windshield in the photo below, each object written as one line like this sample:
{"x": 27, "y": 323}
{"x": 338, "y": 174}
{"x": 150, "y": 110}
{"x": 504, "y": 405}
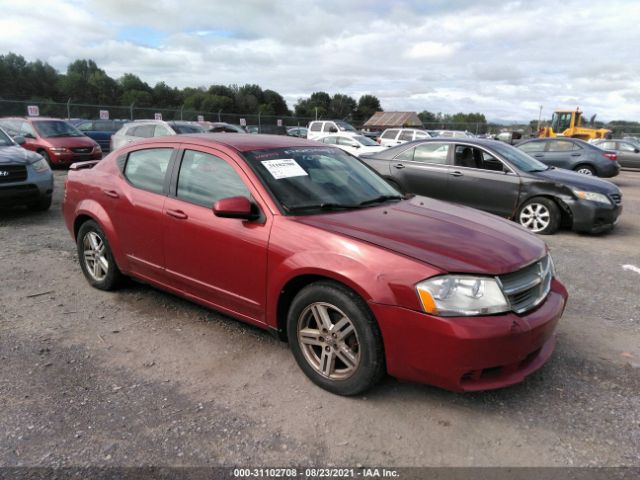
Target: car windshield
{"x": 344, "y": 126}
{"x": 309, "y": 180}
{"x": 366, "y": 141}
{"x": 56, "y": 128}
{"x": 5, "y": 140}
{"x": 518, "y": 158}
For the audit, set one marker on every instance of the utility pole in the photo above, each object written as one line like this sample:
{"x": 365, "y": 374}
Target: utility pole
{"x": 316, "y": 113}
{"x": 539, "y": 117}
{"x": 181, "y": 108}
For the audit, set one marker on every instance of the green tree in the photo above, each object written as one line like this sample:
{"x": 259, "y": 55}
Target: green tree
{"x": 367, "y": 106}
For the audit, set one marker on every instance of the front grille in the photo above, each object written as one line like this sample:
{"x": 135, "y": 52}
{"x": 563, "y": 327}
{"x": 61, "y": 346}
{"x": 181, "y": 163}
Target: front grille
{"x": 616, "y": 198}
{"x": 529, "y": 286}
{"x": 12, "y": 173}
{"x": 82, "y": 149}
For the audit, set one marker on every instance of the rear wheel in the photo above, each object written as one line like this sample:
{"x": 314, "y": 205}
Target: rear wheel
{"x": 539, "y": 215}
{"x": 585, "y": 170}
{"x": 335, "y": 339}
{"x": 96, "y": 259}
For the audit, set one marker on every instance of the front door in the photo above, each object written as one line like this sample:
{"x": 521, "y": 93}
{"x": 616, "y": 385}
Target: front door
{"x": 222, "y": 261}
{"x": 480, "y": 180}
{"x": 423, "y": 169}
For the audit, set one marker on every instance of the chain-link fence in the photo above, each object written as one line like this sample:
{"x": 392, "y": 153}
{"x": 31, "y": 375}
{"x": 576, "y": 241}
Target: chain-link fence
{"x": 71, "y": 110}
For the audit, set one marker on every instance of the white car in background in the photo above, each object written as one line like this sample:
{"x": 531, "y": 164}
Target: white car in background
{"x": 397, "y": 136}
{"x": 354, "y": 144}
{"x": 151, "y": 128}
{"x": 320, "y": 128}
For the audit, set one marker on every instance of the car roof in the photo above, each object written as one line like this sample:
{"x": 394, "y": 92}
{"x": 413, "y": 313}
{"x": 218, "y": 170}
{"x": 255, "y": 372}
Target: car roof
{"x": 240, "y": 143}
{"x": 34, "y": 119}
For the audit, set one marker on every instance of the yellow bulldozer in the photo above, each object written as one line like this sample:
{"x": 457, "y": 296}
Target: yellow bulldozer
{"x": 568, "y": 123}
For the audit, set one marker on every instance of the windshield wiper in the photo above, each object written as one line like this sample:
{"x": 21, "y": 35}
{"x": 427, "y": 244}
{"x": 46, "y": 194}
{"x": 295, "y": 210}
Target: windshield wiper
{"x": 380, "y": 199}
{"x": 327, "y": 206}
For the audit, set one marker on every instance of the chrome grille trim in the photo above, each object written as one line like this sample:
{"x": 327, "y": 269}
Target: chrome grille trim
{"x": 528, "y": 287}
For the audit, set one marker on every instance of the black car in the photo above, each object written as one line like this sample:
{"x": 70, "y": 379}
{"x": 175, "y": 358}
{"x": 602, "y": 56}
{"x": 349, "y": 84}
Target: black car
{"x": 500, "y": 179}
{"x": 572, "y": 154}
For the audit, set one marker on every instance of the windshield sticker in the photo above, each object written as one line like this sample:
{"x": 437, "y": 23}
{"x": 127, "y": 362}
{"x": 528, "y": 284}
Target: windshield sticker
{"x": 283, "y": 168}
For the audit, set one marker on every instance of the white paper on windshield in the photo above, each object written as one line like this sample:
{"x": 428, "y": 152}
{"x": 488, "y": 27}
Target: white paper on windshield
{"x": 284, "y": 168}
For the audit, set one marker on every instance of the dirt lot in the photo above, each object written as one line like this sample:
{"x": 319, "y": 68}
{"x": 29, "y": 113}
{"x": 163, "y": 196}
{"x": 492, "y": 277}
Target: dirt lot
{"x": 140, "y": 377}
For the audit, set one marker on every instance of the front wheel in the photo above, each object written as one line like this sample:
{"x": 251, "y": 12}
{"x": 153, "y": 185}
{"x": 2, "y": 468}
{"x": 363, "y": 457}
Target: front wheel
{"x": 335, "y": 339}
{"x": 539, "y": 215}
{"x": 96, "y": 259}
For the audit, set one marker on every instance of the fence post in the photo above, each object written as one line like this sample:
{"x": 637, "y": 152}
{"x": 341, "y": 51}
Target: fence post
{"x": 69, "y": 109}
{"x": 259, "y": 124}
{"x": 219, "y": 115}
{"x": 181, "y": 108}
{"x": 131, "y": 110}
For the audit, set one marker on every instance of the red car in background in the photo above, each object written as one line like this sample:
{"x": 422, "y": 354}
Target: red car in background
{"x": 59, "y": 142}
{"x": 306, "y": 241}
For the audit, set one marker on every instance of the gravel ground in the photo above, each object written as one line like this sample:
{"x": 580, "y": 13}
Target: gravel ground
{"x": 140, "y": 377}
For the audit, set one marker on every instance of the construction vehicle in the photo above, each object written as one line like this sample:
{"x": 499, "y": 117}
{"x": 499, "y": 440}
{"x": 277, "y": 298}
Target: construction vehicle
{"x": 568, "y": 123}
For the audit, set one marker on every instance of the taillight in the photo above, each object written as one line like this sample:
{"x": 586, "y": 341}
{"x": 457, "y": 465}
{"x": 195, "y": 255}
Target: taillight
{"x": 611, "y": 156}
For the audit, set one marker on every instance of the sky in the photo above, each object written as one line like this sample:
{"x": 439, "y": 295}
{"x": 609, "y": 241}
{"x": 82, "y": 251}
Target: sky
{"x": 501, "y": 58}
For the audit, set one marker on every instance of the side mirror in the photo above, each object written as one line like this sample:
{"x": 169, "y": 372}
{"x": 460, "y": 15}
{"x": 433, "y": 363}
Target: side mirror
{"x": 19, "y": 139}
{"x": 355, "y": 145}
{"x": 234, "y": 207}
{"x": 333, "y": 130}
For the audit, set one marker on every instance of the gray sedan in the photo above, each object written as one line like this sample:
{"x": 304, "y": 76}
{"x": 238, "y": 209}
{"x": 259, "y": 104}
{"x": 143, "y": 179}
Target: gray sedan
{"x": 572, "y": 154}
{"x": 500, "y": 179}
{"x": 628, "y": 151}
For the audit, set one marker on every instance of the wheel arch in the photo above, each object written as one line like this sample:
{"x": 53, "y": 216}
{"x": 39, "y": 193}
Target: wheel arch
{"x": 566, "y": 217}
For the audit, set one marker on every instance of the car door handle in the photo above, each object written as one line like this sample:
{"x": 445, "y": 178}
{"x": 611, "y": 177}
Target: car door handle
{"x": 576, "y": 154}
{"x": 179, "y": 214}
{"x": 539, "y": 155}
{"x": 111, "y": 193}
{"x": 399, "y": 166}
{"x": 456, "y": 173}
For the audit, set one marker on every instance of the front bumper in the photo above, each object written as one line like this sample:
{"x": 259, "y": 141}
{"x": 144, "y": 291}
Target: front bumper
{"x": 469, "y": 353}
{"x": 67, "y": 158}
{"x": 35, "y": 187}
{"x": 593, "y": 217}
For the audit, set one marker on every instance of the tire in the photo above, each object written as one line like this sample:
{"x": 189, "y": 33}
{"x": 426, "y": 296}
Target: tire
{"x": 585, "y": 170}
{"x": 46, "y": 156}
{"x": 100, "y": 274}
{"x": 41, "y": 205}
{"x": 539, "y": 215}
{"x": 352, "y": 357}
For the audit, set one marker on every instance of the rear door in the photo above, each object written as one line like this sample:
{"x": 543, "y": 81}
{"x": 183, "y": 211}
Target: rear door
{"x": 138, "y": 202}
{"x": 423, "y": 169}
{"x": 389, "y": 137}
{"x": 220, "y": 260}
{"x": 480, "y": 180}
{"x": 563, "y": 154}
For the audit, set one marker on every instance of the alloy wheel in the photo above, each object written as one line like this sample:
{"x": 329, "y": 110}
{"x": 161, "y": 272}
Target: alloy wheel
{"x": 94, "y": 253}
{"x": 328, "y": 341}
{"x": 585, "y": 171}
{"x": 535, "y": 217}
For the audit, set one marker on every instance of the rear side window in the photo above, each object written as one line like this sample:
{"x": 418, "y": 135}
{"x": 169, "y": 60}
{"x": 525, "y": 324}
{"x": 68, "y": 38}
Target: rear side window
{"x": 142, "y": 131}
{"x": 532, "y": 147}
{"x": 390, "y": 134}
{"x": 406, "y": 136}
{"x": 204, "y": 179}
{"x": 562, "y": 146}
{"x": 315, "y": 126}
{"x": 431, "y": 153}
{"x": 330, "y": 140}
{"x": 146, "y": 169}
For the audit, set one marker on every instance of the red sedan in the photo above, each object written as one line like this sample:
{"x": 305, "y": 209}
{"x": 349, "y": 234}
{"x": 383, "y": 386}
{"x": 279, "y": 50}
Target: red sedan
{"x": 305, "y": 240}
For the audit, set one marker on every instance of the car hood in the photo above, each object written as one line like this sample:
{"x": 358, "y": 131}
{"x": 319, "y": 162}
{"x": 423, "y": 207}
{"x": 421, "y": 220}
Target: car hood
{"x": 71, "y": 142}
{"x": 17, "y": 155}
{"x": 450, "y": 237}
{"x": 577, "y": 180}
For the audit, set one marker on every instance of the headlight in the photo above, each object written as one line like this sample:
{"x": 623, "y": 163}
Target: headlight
{"x": 461, "y": 295}
{"x": 97, "y": 148}
{"x": 593, "y": 196}
{"x": 40, "y": 166}
{"x": 58, "y": 149}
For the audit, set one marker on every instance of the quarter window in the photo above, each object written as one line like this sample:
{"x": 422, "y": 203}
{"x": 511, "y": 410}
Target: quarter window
{"x": 146, "y": 169}
{"x": 204, "y": 179}
{"x": 562, "y": 146}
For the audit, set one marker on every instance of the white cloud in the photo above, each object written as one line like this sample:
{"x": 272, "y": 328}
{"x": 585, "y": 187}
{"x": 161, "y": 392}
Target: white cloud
{"x": 500, "y": 58}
